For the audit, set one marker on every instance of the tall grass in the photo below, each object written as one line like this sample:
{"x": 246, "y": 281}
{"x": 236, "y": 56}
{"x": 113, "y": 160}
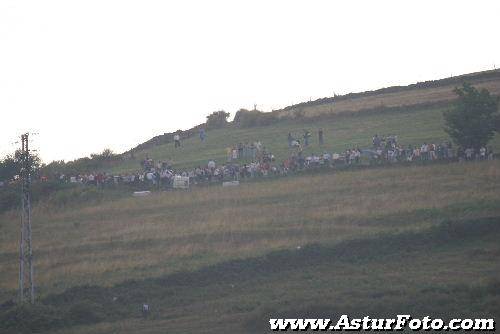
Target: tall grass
{"x": 115, "y": 240}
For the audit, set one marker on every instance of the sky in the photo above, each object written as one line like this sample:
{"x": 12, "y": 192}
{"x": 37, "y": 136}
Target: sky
{"x": 88, "y": 75}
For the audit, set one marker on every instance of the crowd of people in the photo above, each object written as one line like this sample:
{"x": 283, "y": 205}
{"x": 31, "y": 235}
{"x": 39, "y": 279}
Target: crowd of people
{"x": 252, "y": 160}
{"x": 388, "y": 149}
{"x": 253, "y": 151}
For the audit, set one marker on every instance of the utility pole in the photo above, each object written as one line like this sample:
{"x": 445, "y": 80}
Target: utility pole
{"x": 26, "y": 283}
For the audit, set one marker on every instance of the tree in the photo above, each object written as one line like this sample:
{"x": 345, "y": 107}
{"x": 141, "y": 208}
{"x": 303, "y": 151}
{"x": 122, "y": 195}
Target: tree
{"x": 10, "y": 166}
{"x": 106, "y": 154}
{"x": 217, "y": 119}
{"x": 473, "y": 121}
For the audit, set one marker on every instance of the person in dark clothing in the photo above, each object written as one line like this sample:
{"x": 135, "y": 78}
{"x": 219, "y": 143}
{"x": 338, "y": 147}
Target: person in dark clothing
{"x": 320, "y": 136}
{"x": 307, "y": 135}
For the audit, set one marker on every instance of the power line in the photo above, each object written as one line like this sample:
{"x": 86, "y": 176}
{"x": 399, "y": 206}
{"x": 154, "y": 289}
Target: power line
{"x": 26, "y": 282}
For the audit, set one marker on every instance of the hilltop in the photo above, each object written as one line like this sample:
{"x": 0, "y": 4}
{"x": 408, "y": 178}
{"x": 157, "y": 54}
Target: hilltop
{"x": 433, "y": 93}
{"x": 419, "y": 239}
{"x": 422, "y": 94}
{"x": 413, "y": 112}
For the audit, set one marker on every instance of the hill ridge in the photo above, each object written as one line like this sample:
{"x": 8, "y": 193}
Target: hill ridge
{"x": 300, "y": 110}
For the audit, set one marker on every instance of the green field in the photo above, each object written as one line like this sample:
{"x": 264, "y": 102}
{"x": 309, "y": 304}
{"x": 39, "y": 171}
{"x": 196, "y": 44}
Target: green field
{"x": 421, "y": 240}
{"x": 340, "y": 132}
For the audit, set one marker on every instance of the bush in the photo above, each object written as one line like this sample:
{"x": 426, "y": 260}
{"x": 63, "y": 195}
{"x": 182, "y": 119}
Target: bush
{"x": 217, "y": 119}
{"x": 251, "y": 118}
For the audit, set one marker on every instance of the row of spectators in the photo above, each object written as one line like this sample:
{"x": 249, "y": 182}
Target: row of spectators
{"x": 258, "y": 162}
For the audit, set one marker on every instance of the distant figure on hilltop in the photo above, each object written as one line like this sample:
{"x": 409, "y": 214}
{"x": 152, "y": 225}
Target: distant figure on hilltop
{"x": 202, "y": 135}
{"x": 177, "y": 140}
{"x": 290, "y": 139}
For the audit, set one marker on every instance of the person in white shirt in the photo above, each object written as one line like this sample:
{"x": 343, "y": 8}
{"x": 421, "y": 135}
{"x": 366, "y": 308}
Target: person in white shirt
{"x": 468, "y": 153}
{"x": 177, "y": 140}
{"x": 482, "y": 153}
{"x": 145, "y": 310}
{"x": 357, "y": 155}
{"x": 424, "y": 152}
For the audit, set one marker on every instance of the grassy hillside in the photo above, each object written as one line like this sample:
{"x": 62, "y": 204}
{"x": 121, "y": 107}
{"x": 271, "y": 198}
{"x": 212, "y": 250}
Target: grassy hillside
{"x": 417, "y": 239}
{"x": 429, "y": 233}
{"x": 413, "y": 126}
{"x": 428, "y": 93}
{"x": 413, "y": 112}
{"x": 447, "y": 271}
{"x": 137, "y": 237}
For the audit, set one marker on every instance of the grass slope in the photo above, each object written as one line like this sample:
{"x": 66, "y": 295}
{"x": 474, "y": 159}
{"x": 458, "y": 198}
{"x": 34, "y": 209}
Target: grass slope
{"x": 348, "y": 121}
{"x": 439, "y": 91}
{"x": 412, "y": 239}
{"x": 445, "y": 271}
{"x": 107, "y": 242}
{"x": 341, "y": 132}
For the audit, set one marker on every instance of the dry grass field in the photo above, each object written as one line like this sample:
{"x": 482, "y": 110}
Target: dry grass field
{"x": 177, "y": 231}
{"x": 415, "y": 239}
{"x": 391, "y": 100}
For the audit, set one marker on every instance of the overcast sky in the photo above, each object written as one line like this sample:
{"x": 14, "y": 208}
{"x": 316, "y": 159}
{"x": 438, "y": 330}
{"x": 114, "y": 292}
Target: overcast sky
{"x": 86, "y": 75}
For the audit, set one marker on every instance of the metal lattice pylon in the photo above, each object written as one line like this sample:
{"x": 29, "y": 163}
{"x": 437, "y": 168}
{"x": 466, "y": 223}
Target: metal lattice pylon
{"x": 26, "y": 283}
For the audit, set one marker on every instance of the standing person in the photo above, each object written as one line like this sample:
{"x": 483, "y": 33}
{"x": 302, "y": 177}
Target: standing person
{"x": 469, "y": 152}
{"x": 376, "y": 141}
{"x": 482, "y": 155}
{"x": 177, "y": 140}
{"x": 202, "y": 135}
{"x": 320, "y": 136}
{"x": 211, "y": 169}
{"x": 246, "y": 150}
{"x": 424, "y": 151}
{"x": 99, "y": 179}
{"x": 157, "y": 177}
{"x": 490, "y": 153}
{"x": 253, "y": 150}
{"x": 290, "y": 139}
{"x": 145, "y": 310}
{"x": 240, "y": 150}
{"x": 211, "y": 164}
{"x": 307, "y": 135}
{"x": 234, "y": 154}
